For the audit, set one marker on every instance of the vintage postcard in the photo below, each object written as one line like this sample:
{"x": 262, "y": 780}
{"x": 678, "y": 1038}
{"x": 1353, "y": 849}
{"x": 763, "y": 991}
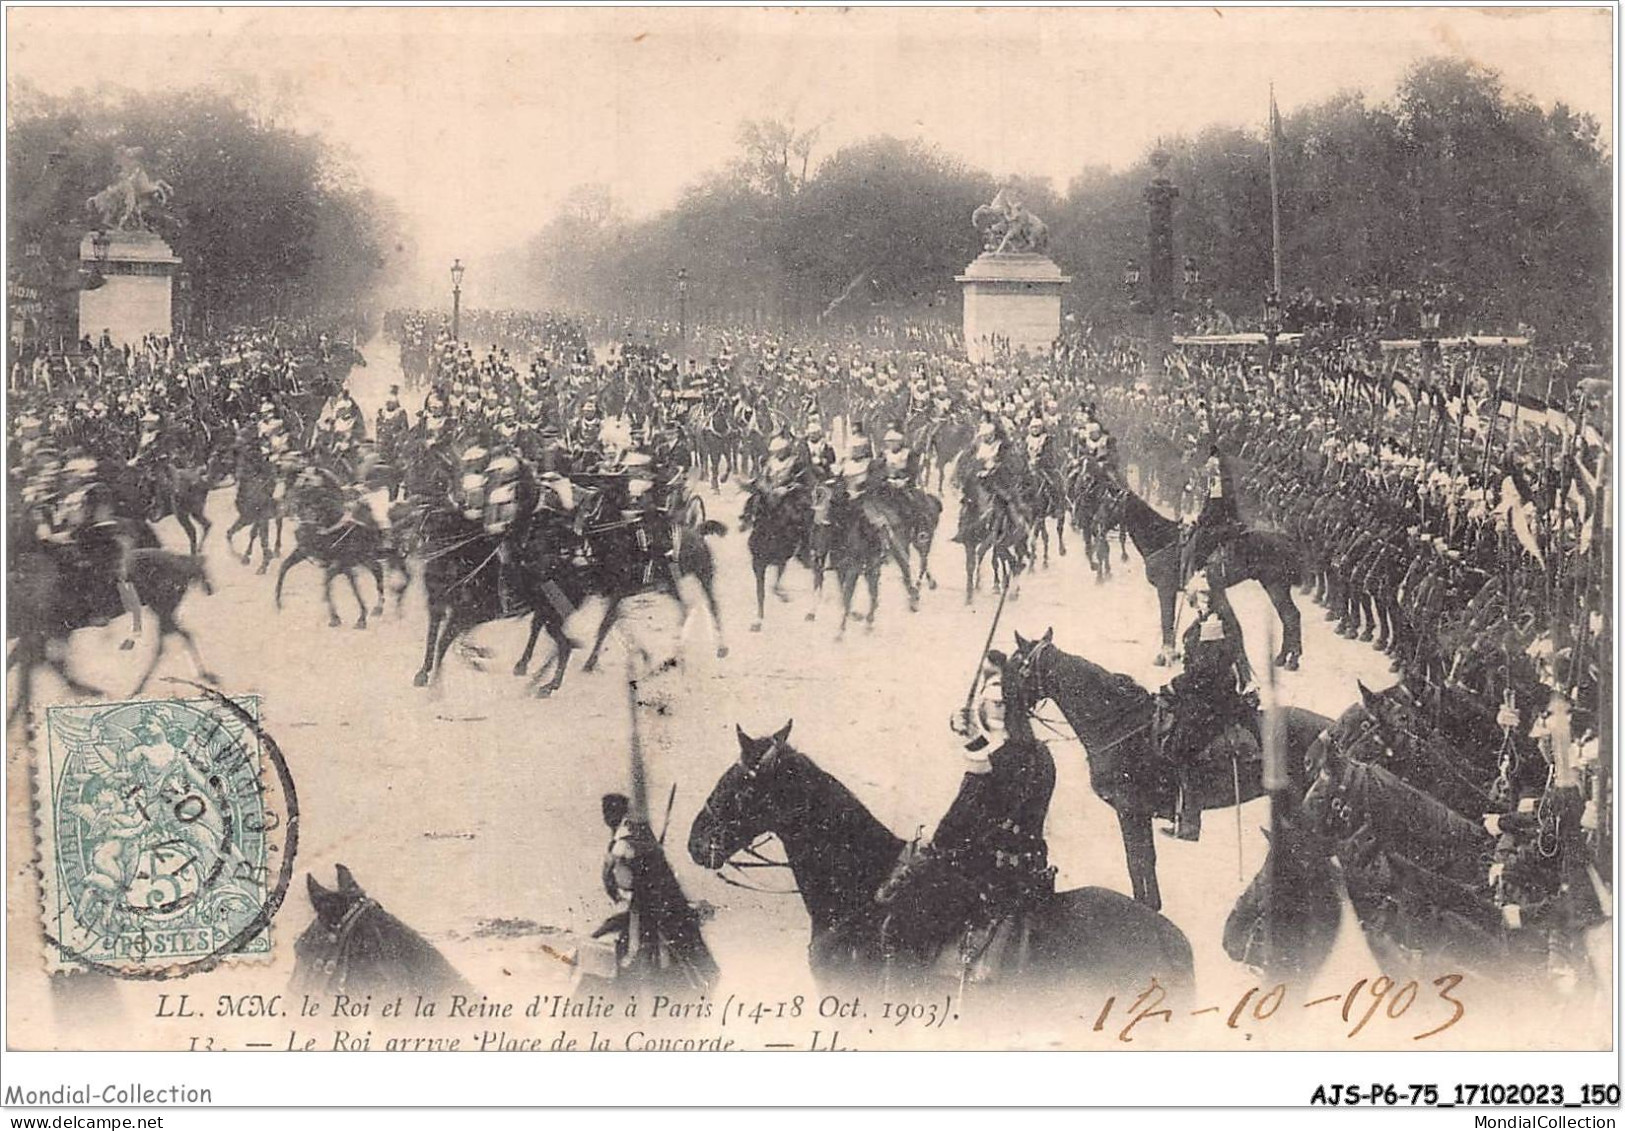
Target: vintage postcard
{"x": 889, "y": 530}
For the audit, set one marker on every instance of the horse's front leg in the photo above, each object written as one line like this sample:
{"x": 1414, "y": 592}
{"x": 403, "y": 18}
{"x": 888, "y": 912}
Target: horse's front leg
{"x": 376, "y": 568}
{"x": 760, "y": 568}
{"x": 361, "y": 604}
{"x": 1140, "y": 851}
{"x": 523, "y": 663}
{"x": 333, "y": 618}
{"x": 611, "y": 614}
{"x": 1166, "y": 596}
{"x": 292, "y": 560}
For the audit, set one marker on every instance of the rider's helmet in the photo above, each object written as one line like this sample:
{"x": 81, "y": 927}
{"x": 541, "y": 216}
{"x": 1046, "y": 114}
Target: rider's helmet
{"x": 815, "y": 430}
{"x": 474, "y": 456}
{"x": 309, "y": 477}
{"x": 778, "y": 445}
{"x": 1035, "y": 427}
{"x": 861, "y": 448}
{"x": 894, "y": 438}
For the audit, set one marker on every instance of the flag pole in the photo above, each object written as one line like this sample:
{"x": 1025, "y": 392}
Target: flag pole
{"x": 1275, "y": 194}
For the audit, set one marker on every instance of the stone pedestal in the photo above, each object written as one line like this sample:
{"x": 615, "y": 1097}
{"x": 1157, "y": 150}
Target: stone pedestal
{"x": 137, "y": 295}
{"x": 1012, "y": 300}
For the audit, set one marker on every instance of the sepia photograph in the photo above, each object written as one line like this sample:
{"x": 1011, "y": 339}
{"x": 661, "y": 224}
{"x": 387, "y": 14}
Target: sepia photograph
{"x": 784, "y": 530}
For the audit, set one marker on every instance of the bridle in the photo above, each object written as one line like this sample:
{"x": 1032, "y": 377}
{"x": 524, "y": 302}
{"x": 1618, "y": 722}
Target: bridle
{"x": 1028, "y": 672}
{"x": 337, "y": 965}
{"x": 753, "y": 851}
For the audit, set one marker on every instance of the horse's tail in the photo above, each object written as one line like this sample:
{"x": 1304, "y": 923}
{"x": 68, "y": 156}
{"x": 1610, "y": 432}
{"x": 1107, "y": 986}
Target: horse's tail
{"x": 711, "y": 527}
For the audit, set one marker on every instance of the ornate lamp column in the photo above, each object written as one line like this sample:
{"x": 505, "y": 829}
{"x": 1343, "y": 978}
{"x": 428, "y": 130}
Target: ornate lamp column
{"x": 1160, "y": 195}
{"x": 457, "y": 270}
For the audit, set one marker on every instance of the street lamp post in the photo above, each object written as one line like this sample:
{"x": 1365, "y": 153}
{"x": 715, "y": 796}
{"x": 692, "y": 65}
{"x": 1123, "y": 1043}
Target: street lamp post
{"x": 457, "y": 270}
{"x": 682, "y": 304}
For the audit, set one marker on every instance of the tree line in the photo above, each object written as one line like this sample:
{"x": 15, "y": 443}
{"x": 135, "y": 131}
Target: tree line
{"x": 268, "y": 221}
{"x": 1454, "y": 181}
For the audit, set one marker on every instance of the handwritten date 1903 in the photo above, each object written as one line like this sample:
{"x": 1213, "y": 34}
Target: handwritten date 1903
{"x": 1432, "y": 1009}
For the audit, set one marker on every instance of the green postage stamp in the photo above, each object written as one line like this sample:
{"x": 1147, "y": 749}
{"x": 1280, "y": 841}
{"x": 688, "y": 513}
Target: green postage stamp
{"x": 161, "y": 829}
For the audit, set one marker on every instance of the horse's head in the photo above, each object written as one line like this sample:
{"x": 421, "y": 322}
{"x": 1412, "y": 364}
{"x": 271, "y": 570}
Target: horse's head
{"x": 1024, "y": 671}
{"x": 333, "y": 905}
{"x": 743, "y": 805}
{"x": 1368, "y": 728}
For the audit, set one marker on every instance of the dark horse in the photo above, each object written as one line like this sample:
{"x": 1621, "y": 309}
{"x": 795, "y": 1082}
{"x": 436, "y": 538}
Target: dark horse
{"x": 156, "y": 493}
{"x": 858, "y": 545}
{"x": 354, "y": 546}
{"x": 1398, "y": 786}
{"x": 1112, "y": 716}
{"x": 841, "y": 855}
{"x": 357, "y": 948}
{"x": 258, "y": 508}
{"x": 52, "y": 592}
{"x": 1272, "y": 560}
{"x": 780, "y": 530}
{"x": 988, "y": 527}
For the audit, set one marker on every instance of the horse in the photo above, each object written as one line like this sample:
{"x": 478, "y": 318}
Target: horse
{"x": 166, "y": 490}
{"x": 690, "y": 557}
{"x": 1112, "y": 716}
{"x": 354, "y": 546}
{"x": 355, "y": 947}
{"x": 857, "y": 546}
{"x": 779, "y": 530}
{"x": 1093, "y": 525}
{"x": 841, "y": 855}
{"x": 461, "y": 583}
{"x": 943, "y": 443}
{"x": 257, "y": 509}
{"x": 1403, "y": 822}
{"x": 1046, "y": 500}
{"x": 919, "y": 514}
{"x": 988, "y": 528}
{"x": 49, "y": 598}
{"x": 1272, "y": 560}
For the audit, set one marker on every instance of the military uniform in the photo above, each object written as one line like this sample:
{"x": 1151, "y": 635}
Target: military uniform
{"x": 1204, "y": 700}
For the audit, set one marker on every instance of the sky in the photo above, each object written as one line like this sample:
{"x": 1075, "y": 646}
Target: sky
{"x": 478, "y": 122}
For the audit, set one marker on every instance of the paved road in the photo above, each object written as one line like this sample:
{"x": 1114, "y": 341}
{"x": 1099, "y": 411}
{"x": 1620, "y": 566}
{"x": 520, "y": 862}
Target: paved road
{"x": 471, "y": 810}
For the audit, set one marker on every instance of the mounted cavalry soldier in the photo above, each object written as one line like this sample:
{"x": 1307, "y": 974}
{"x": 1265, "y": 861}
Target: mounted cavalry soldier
{"x": 1203, "y": 701}
{"x": 510, "y": 493}
{"x": 99, "y": 540}
{"x": 902, "y": 470}
{"x": 392, "y": 424}
{"x": 781, "y": 477}
{"x": 901, "y": 464}
{"x": 988, "y": 857}
{"x": 816, "y": 453}
{"x": 991, "y": 474}
{"x": 1219, "y": 520}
